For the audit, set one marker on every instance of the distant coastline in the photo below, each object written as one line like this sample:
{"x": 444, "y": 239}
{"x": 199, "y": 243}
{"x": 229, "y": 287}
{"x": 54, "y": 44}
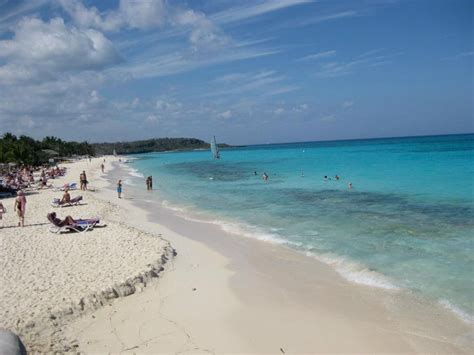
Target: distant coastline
{"x": 152, "y": 145}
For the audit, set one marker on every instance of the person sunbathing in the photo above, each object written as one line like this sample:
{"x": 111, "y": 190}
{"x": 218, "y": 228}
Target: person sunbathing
{"x": 66, "y": 197}
{"x": 68, "y": 221}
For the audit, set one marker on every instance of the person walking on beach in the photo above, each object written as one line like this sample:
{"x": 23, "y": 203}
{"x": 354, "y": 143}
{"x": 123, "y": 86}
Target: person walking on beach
{"x": 20, "y": 208}
{"x": 102, "y": 167}
{"x": 119, "y": 188}
{"x": 147, "y": 181}
{"x": 150, "y": 182}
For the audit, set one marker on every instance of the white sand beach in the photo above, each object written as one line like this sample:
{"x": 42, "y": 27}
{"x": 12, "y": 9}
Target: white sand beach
{"x": 47, "y": 277}
{"x": 221, "y": 293}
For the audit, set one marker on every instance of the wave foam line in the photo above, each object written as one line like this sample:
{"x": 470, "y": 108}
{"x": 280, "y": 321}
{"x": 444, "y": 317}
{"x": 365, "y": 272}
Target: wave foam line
{"x": 349, "y": 270}
{"x": 464, "y": 316}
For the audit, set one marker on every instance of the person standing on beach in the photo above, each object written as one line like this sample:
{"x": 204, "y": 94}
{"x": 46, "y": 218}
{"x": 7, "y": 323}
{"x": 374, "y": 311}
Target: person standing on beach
{"x": 81, "y": 181}
{"x": 119, "y": 188}
{"x": 150, "y": 178}
{"x": 102, "y": 167}
{"x": 20, "y": 208}
{"x": 84, "y": 181}
{"x": 2, "y": 210}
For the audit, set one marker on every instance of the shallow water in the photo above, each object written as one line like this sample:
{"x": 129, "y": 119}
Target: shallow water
{"x": 407, "y": 222}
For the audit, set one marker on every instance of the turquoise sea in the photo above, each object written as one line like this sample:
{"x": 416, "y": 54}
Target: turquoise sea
{"x": 407, "y": 223}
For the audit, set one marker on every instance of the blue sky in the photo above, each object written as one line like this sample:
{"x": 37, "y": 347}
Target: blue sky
{"x": 255, "y": 71}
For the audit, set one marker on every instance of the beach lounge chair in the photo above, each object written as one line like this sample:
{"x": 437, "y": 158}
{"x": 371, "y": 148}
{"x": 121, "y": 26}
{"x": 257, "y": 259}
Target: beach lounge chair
{"x": 71, "y": 186}
{"x": 73, "y": 202}
{"x": 81, "y": 225}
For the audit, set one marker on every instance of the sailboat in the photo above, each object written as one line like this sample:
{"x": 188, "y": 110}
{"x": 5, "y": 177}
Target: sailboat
{"x": 215, "y": 149}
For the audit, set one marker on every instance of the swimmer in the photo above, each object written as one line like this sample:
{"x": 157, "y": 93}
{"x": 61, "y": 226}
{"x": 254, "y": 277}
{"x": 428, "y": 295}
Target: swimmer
{"x": 350, "y": 186}
{"x": 337, "y": 177}
{"x": 325, "y": 178}
{"x": 265, "y": 177}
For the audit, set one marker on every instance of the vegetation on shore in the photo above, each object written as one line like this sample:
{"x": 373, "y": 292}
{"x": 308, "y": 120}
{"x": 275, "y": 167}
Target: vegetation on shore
{"x": 151, "y": 145}
{"x": 26, "y": 150}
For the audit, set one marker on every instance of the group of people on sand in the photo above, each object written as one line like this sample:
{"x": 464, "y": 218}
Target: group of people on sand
{"x": 23, "y": 178}
{"x": 18, "y": 177}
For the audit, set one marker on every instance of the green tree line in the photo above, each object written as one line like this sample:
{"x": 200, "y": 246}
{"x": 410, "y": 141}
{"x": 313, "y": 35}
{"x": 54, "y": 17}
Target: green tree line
{"x": 26, "y": 150}
{"x": 152, "y": 145}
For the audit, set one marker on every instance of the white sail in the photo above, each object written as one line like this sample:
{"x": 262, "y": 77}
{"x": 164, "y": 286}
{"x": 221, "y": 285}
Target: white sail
{"x": 215, "y": 148}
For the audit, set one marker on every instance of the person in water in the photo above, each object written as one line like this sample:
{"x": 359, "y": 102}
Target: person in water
{"x": 337, "y": 177}
{"x": 20, "y": 208}
{"x": 255, "y": 173}
{"x": 119, "y": 189}
{"x": 350, "y": 186}
{"x": 265, "y": 177}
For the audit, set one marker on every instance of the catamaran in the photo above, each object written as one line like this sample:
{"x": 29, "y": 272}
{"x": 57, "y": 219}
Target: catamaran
{"x": 215, "y": 148}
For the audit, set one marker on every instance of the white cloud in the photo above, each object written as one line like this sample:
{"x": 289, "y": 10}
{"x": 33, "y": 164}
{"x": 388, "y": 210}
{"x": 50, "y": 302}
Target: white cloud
{"x": 319, "y": 55}
{"x": 365, "y": 60}
{"x": 168, "y": 105}
{"x": 50, "y": 47}
{"x": 347, "y": 104}
{"x": 279, "y": 111}
{"x": 300, "y": 108}
{"x": 143, "y": 14}
{"x": 140, "y": 14}
{"x": 254, "y": 9}
{"x": 152, "y": 119}
{"x": 226, "y": 114}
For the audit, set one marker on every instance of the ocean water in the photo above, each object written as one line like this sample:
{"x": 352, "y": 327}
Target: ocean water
{"x": 407, "y": 223}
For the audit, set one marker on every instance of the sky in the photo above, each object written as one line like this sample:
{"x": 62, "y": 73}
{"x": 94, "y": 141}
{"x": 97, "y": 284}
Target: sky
{"x": 247, "y": 71}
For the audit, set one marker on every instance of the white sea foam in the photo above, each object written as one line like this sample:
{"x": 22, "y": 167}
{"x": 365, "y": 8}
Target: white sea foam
{"x": 134, "y": 172}
{"x": 351, "y": 271}
{"x": 168, "y": 205}
{"x": 128, "y": 182}
{"x": 355, "y": 272}
{"x": 466, "y": 317}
